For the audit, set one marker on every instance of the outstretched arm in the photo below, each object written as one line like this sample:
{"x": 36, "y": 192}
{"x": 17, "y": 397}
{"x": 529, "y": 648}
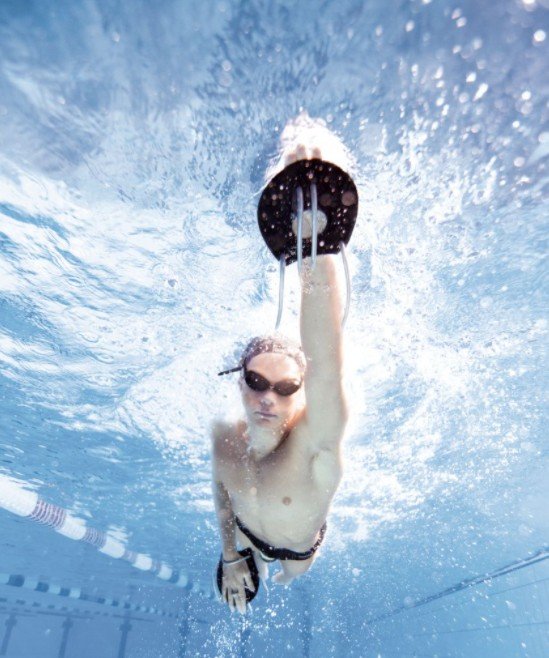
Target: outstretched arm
{"x": 322, "y": 342}
{"x": 236, "y": 575}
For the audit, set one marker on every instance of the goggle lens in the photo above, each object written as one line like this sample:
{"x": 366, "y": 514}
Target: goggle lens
{"x": 257, "y": 382}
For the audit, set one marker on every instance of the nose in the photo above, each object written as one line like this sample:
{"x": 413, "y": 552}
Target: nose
{"x": 267, "y": 400}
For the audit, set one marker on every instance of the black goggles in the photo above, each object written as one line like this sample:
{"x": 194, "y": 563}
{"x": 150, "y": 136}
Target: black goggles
{"x": 258, "y": 383}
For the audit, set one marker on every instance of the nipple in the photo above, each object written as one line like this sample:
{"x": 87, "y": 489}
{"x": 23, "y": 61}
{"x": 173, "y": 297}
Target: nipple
{"x": 286, "y": 500}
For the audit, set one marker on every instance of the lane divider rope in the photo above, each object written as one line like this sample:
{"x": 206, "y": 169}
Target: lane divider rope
{"x": 17, "y": 499}
{"x": 35, "y": 585}
{"x": 538, "y": 556}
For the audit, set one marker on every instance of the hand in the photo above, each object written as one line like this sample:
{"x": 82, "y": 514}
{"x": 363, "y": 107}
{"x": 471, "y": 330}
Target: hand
{"x": 302, "y": 152}
{"x": 236, "y": 577}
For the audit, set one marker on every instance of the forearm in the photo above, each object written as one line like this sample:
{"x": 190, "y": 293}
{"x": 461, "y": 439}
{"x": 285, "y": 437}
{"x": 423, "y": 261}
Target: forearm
{"x": 321, "y": 307}
{"x": 225, "y": 518}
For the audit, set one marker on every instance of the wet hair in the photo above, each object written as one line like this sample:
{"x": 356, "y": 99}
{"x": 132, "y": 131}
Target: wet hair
{"x": 275, "y": 343}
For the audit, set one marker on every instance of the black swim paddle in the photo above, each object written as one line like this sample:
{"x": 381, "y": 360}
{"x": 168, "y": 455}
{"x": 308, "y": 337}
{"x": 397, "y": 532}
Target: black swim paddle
{"x": 250, "y": 561}
{"x": 309, "y": 208}
{"x": 319, "y": 183}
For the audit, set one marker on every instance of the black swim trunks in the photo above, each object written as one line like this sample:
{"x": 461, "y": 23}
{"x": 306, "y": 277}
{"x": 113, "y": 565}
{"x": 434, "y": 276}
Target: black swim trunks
{"x": 274, "y": 553}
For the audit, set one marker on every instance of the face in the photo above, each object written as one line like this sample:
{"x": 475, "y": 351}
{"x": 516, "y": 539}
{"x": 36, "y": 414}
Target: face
{"x": 268, "y": 409}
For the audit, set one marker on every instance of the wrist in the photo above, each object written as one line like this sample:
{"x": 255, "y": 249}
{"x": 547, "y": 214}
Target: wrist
{"x": 230, "y": 554}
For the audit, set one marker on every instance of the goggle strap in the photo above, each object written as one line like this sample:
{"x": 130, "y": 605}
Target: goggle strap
{"x": 226, "y": 372}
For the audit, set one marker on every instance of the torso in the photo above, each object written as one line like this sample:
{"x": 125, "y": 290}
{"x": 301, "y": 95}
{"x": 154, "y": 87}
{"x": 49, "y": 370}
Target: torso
{"x": 283, "y": 498}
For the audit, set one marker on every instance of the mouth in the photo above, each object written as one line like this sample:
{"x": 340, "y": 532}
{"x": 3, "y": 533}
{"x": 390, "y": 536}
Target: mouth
{"x": 264, "y": 414}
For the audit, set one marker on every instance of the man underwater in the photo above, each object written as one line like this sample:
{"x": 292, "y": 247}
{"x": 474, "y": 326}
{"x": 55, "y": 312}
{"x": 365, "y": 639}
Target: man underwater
{"x": 276, "y": 471}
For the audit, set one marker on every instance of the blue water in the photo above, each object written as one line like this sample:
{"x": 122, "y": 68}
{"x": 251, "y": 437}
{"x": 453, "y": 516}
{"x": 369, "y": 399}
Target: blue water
{"x": 134, "y": 139}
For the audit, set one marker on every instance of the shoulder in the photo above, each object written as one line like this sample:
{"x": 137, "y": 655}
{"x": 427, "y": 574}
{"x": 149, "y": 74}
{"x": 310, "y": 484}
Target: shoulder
{"x": 226, "y": 448}
{"x": 218, "y": 428}
{"x": 219, "y": 432}
{"x": 224, "y": 436}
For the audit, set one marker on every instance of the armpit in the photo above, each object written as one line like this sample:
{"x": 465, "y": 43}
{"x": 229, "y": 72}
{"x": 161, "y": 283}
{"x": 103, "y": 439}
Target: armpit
{"x": 326, "y": 468}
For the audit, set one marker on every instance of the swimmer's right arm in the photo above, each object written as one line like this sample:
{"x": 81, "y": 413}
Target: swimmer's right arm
{"x": 236, "y": 576}
{"x": 222, "y": 500}
{"x": 225, "y": 518}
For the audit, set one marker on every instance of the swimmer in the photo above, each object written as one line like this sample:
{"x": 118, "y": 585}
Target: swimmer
{"x": 275, "y": 472}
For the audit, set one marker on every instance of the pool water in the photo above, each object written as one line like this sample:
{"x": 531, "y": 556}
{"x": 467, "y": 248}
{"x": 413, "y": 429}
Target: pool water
{"x": 134, "y": 142}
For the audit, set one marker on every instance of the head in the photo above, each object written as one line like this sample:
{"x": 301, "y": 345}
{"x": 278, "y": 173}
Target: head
{"x": 278, "y": 360}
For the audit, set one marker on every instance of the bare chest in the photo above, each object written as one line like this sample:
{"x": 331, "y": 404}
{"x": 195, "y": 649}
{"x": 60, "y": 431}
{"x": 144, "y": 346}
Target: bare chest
{"x": 284, "y": 497}
{"x": 273, "y": 481}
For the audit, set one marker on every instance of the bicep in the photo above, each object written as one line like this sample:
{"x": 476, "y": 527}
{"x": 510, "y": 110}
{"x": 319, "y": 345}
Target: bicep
{"x": 327, "y": 411}
{"x": 217, "y": 434}
{"x": 322, "y": 341}
{"x": 221, "y": 458}
{"x": 219, "y": 487}
{"x": 323, "y": 347}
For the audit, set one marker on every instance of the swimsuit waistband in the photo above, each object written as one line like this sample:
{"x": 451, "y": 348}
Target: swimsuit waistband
{"x": 280, "y": 553}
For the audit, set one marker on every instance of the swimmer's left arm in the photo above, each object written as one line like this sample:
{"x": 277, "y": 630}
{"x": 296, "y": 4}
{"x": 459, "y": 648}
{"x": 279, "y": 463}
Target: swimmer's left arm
{"x": 322, "y": 342}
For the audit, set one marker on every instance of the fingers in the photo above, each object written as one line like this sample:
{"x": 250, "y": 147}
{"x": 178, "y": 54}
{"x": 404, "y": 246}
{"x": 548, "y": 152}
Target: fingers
{"x": 301, "y": 152}
{"x": 290, "y": 159}
{"x": 235, "y": 581}
{"x": 240, "y": 603}
{"x": 248, "y": 582}
{"x": 236, "y": 599}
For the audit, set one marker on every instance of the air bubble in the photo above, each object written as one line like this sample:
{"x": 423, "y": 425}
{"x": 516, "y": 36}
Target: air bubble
{"x": 482, "y": 89}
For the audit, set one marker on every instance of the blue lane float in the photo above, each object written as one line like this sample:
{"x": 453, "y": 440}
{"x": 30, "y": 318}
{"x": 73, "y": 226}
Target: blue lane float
{"x": 35, "y": 585}
{"x": 17, "y": 499}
